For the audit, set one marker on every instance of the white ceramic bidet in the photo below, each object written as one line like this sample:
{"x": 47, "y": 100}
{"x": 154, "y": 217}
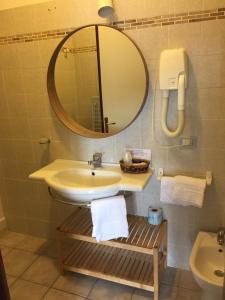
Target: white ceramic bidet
{"x": 207, "y": 265}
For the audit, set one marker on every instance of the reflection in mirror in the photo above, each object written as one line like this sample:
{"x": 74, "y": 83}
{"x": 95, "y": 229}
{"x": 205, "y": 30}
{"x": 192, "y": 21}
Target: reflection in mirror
{"x": 100, "y": 80}
{"x": 76, "y": 77}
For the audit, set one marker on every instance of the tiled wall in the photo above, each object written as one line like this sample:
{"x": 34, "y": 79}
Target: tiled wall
{"x": 25, "y": 115}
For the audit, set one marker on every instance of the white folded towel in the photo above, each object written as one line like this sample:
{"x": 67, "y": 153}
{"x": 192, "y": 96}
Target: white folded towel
{"x": 109, "y": 218}
{"x": 183, "y": 190}
{"x": 166, "y": 193}
{"x": 189, "y": 190}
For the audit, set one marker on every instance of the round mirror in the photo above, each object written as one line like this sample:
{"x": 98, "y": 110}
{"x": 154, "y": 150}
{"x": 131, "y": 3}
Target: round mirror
{"x": 97, "y": 81}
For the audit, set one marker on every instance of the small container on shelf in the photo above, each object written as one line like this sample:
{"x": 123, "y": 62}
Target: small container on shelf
{"x": 137, "y": 166}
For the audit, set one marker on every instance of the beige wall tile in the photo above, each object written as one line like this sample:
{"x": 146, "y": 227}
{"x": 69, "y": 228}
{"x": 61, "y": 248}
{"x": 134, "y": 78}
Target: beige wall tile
{"x": 10, "y": 169}
{"x": 6, "y": 22}
{"x": 187, "y": 36}
{"x": 213, "y": 37}
{"x": 207, "y": 103}
{"x": 24, "y": 150}
{"x": 184, "y": 6}
{"x": 23, "y": 16}
{"x": 207, "y": 71}
{"x": 208, "y": 4}
{"x": 7, "y": 150}
{"x": 37, "y": 105}
{"x": 13, "y": 80}
{"x": 152, "y": 49}
{"x": 29, "y": 55}
{"x": 16, "y": 223}
{"x": 9, "y": 57}
{"x": 3, "y": 104}
{"x": 41, "y": 228}
{"x": 40, "y": 127}
{"x": 19, "y": 194}
{"x": 20, "y": 128}
{"x": 33, "y": 80}
{"x": 211, "y": 134}
{"x": 5, "y": 128}
{"x": 17, "y": 106}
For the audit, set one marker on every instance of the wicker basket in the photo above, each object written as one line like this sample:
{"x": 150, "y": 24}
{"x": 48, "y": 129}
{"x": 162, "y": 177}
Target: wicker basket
{"x": 137, "y": 166}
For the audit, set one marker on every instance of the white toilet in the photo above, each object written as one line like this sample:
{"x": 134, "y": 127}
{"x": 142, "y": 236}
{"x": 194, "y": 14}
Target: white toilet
{"x": 207, "y": 265}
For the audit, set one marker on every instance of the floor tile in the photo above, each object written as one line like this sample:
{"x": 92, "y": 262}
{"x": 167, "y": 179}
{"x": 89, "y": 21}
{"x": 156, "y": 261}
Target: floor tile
{"x": 187, "y": 281}
{"x": 17, "y": 261}
{"x": 59, "y": 295}
{"x": 43, "y": 271}
{"x": 75, "y": 283}
{"x": 10, "y": 279}
{"x": 185, "y": 294}
{"x": 171, "y": 276}
{"x": 5, "y": 250}
{"x": 142, "y": 295}
{"x": 167, "y": 292}
{"x": 107, "y": 290}
{"x": 32, "y": 243}
{"x": 50, "y": 248}
{"x": 24, "y": 290}
{"x": 11, "y": 239}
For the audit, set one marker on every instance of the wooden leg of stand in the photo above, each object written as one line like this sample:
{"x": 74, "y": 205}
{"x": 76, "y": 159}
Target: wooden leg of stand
{"x": 156, "y": 273}
{"x": 164, "y": 244}
{"x": 60, "y": 253}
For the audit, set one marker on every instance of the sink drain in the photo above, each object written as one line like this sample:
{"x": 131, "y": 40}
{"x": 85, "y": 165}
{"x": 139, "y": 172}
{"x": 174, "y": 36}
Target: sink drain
{"x": 219, "y": 273}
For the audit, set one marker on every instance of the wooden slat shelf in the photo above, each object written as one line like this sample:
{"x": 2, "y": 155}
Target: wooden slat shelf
{"x": 117, "y": 265}
{"x": 143, "y": 237}
{"x": 135, "y": 261}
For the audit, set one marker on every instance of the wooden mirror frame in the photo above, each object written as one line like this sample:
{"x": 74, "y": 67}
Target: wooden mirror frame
{"x": 55, "y": 101}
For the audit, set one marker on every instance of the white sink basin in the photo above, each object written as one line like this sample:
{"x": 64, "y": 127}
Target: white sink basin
{"x": 75, "y": 180}
{"x": 81, "y": 184}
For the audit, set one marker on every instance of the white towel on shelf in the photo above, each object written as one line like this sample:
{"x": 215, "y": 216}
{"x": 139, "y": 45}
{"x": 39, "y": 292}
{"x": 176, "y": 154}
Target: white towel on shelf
{"x": 189, "y": 190}
{"x": 109, "y": 218}
{"x": 182, "y": 190}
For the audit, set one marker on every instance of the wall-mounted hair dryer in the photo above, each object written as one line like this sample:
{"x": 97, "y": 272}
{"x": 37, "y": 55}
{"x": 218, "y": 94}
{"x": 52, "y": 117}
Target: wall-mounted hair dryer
{"x": 173, "y": 75}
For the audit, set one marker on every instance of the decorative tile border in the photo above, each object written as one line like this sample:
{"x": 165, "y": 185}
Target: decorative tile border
{"x": 35, "y": 36}
{"x": 123, "y": 25}
{"x": 172, "y": 19}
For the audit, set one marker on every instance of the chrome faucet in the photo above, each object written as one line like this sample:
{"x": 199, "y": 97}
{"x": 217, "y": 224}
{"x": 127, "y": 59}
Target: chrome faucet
{"x": 221, "y": 236}
{"x": 97, "y": 160}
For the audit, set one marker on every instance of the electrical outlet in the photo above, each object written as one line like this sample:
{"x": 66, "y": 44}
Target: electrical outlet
{"x": 188, "y": 142}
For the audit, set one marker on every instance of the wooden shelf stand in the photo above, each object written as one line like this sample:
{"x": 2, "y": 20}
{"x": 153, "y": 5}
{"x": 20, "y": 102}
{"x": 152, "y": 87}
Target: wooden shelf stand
{"x": 137, "y": 261}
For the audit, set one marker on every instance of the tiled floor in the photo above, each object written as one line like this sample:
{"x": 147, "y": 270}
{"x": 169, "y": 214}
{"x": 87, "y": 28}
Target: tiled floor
{"x": 33, "y": 274}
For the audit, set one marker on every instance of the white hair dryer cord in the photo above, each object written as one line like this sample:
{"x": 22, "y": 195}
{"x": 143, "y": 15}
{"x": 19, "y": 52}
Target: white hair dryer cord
{"x": 180, "y": 109}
